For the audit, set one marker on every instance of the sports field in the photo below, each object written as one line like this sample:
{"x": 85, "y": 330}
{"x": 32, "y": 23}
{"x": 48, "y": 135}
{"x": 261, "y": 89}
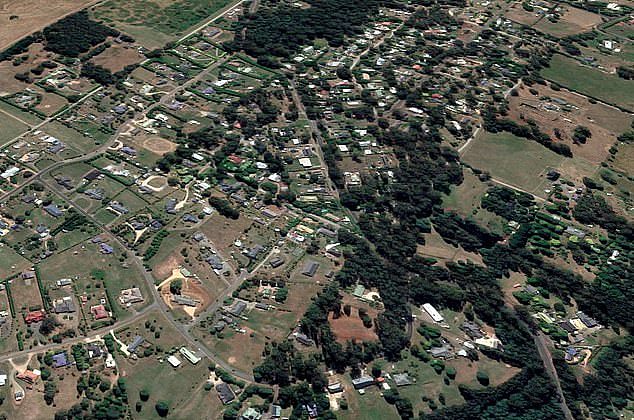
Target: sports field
{"x": 606, "y": 87}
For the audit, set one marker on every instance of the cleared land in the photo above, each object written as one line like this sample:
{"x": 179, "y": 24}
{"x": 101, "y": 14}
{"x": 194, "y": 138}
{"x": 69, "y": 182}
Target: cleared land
{"x": 117, "y": 57}
{"x": 606, "y": 87}
{"x": 19, "y": 18}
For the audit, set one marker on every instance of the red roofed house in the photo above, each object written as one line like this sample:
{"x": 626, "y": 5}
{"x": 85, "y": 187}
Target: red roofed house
{"x": 99, "y": 312}
{"x": 235, "y": 159}
{"x": 28, "y": 376}
{"x": 35, "y": 316}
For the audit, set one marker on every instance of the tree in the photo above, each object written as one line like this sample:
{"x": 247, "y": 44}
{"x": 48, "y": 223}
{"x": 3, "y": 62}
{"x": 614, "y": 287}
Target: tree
{"x": 144, "y": 395}
{"x": 483, "y": 378}
{"x": 176, "y": 286}
{"x": 162, "y": 408}
{"x": 581, "y": 134}
{"x": 48, "y": 325}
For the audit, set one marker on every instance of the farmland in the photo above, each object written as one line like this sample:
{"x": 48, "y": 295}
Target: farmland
{"x": 608, "y": 88}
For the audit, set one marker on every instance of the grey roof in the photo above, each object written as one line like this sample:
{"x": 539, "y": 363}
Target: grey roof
{"x": 138, "y": 340}
{"x": 225, "y": 393}
{"x": 310, "y": 268}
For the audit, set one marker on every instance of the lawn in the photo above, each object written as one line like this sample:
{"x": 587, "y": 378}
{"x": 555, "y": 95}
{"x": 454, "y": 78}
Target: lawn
{"x": 606, "y": 87}
{"x": 511, "y": 159}
{"x": 11, "y": 262}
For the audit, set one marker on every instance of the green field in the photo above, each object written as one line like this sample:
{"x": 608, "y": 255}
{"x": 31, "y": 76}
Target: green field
{"x": 511, "y": 159}
{"x": 609, "y": 88}
{"x": 11, "y": 128}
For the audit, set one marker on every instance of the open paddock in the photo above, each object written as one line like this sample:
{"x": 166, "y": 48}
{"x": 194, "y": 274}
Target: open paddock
{"x": 572, "y": 21}
{"x": 117, "y": 57}
{"x": 606, "y": 87}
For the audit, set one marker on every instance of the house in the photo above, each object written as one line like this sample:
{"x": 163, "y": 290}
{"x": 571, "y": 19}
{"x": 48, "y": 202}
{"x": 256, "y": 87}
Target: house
{"x": 184, "y": 300}
{"x": 53, "y": 210}
{"x": 571, "y": 353}
{"x": 173, "y": 360}
{"x": 215, "y": 262}
{"x": 250, "y": 414}
{"x": 106, "y": 249}
{"x": 29, "y": 376}
{"x": 441, "y": 352}
{"x": 170, "y": 206}
{"x": 94, "y": 351}
{"x": 130, "y": 296}
{"x": 138, "y": 340}
{"x": 359, "y": 290}
{"x": 312, "y": 410}
{"x": 34, "y": 316}
{"x": 432, "y": 312}
{"x": 587, "y": 321}
{"x": 64, "y": 282}
{"x": 118, "y": 207}
{"x": 362, "y": 382}
{"x": 327, "y": 232}
{"x": 402, "y": 379}
{"x": 335, "y": 387}
{"x": 189, "y": 355}
{"x": 276, "y": 262}
{"x": 472, "y": 329}
{"x": 99, "y": 312}
{"x": 225, "y": 393}
{"x": 310, "y": 268}
{"x": 64, "y": 305}
{"x": 3, "y": 379}
{"x": 567, "y": 326}
{"x": 92, "y": 175}
{"x": 254, "y": 251}
{"x": 276, "y": 411}
{"x": 238, "y": 308}
{"x": 28, "y": 275}
{"x": 60, "y": 360}
{"x": 303, "y": 339}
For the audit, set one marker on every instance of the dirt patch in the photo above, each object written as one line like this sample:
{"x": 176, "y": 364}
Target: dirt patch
{"x": 164, "y": 269}
{"x": 23, "y": 17}
{"x": 159, "y": 145}
{"x": 117, "y": 57}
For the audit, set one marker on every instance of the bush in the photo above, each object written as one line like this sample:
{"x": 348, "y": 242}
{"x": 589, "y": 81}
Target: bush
{"x": 483, "y": 378}
{"x": 162, "y": 408}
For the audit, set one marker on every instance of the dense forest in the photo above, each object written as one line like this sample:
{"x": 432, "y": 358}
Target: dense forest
{"x": 76, "y": 34}
{"x": 281, "y": 31}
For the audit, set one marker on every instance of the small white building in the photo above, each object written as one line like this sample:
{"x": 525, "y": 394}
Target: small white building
{"x": 173, "y": 360}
